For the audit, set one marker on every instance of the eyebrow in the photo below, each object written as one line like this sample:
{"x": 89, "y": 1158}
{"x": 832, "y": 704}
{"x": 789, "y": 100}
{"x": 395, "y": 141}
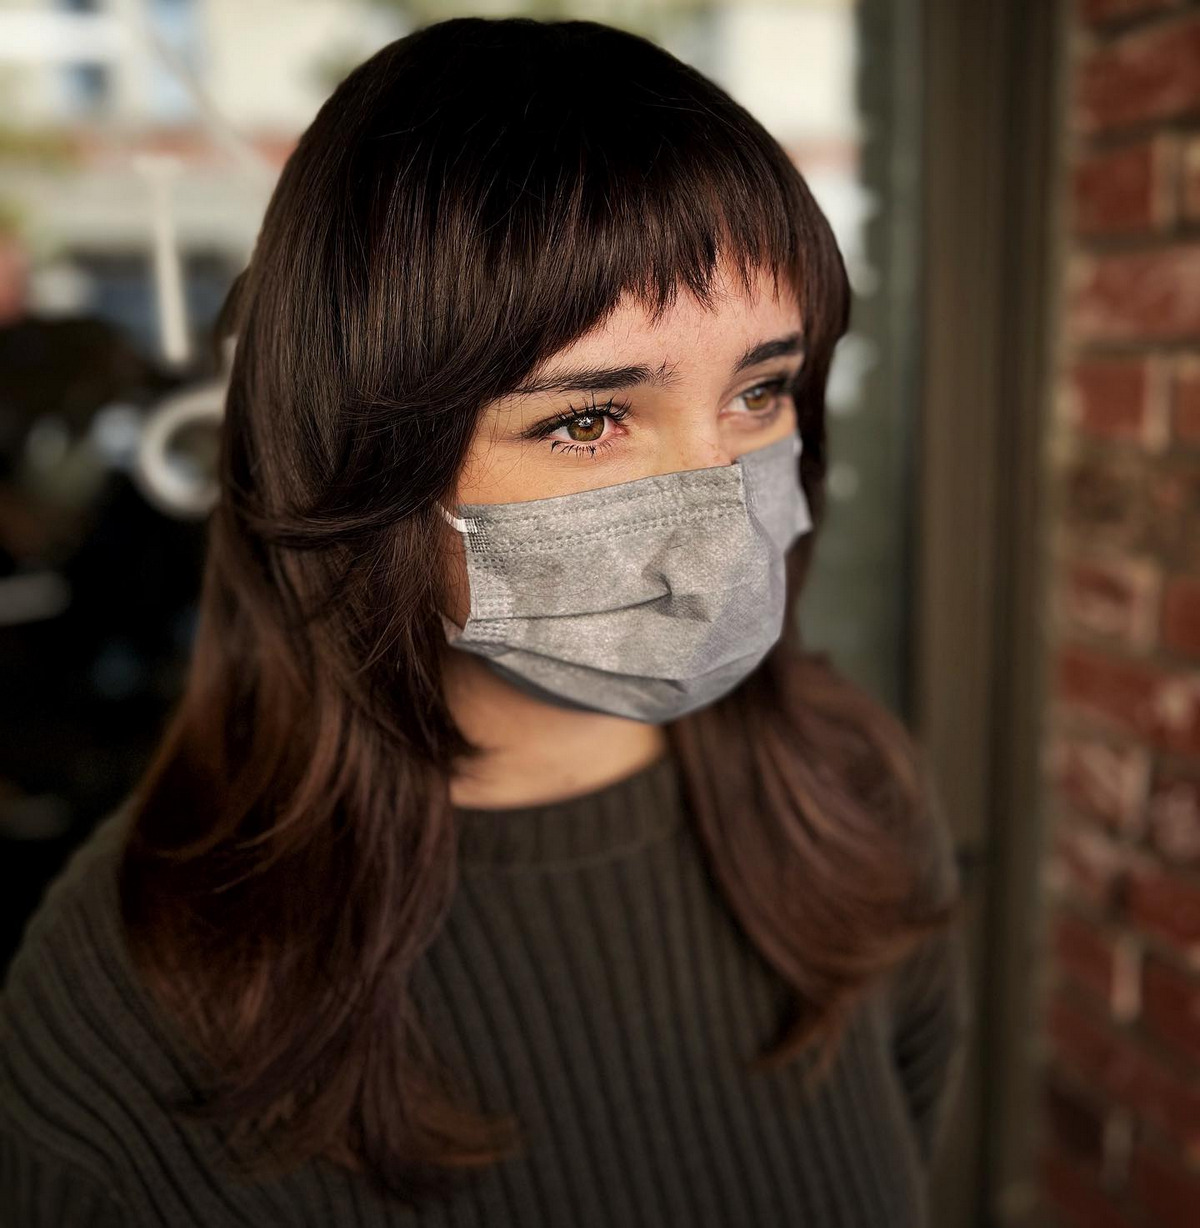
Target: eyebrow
{"x": 601, "y": 379}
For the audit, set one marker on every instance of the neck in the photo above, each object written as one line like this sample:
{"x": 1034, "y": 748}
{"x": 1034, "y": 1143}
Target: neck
{"x": 536, "y": 752}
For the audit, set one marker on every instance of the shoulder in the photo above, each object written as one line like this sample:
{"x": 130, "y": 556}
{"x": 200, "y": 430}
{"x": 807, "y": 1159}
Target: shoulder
{"x": 48, "y": 1192}
{"x": 84, "y": 1067}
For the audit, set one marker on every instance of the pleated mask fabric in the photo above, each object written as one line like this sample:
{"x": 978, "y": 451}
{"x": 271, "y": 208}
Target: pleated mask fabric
{"x": 646, "y": 599}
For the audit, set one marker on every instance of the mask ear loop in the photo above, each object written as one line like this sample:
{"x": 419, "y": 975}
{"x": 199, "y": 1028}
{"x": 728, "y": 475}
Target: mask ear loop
{"x": 463, "y": 526}
{"x": 453, "y": 630}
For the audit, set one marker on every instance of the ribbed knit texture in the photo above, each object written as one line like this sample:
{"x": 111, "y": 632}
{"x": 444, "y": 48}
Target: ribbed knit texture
{"x": 589, "y": 977}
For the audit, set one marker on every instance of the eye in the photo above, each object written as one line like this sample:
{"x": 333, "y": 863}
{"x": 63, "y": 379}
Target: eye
{"x": 584, "y": 428}
{"x": 764, "y": 399}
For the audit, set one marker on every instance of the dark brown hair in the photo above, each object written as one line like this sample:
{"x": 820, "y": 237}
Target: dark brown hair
{"x": 470, "y": 200}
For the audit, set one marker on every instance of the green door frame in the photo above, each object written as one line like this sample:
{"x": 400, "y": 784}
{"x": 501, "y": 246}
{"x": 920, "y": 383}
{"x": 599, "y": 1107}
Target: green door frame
{"x": 963, "y": 104}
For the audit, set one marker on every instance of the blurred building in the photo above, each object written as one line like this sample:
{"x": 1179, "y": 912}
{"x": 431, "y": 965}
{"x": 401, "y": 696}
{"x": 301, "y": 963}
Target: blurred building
{"x": 1012, "y": 556}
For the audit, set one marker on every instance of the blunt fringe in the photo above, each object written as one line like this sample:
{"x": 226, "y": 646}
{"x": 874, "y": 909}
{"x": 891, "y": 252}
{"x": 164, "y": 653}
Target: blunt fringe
{"x": 468, "y": 201}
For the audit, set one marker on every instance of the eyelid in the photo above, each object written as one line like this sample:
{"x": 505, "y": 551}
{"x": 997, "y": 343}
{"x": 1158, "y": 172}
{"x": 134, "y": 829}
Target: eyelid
{"x": 784, "y": 383}
{"x": 781, "y": 378}
{"x": 611, "y": 408}
{"x": 784, "y": 376}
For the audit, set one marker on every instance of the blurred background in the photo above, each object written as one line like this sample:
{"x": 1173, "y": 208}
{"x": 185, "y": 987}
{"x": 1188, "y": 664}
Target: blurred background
{"x": 1012, "y": 556}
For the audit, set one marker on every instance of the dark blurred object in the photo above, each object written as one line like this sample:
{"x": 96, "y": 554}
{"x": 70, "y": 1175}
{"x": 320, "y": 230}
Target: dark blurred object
{"x": 97, "y": 593}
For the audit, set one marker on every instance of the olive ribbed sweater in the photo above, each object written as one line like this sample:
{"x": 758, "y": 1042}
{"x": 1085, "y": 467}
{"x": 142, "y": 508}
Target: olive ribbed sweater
{"x": 589, "y": 977}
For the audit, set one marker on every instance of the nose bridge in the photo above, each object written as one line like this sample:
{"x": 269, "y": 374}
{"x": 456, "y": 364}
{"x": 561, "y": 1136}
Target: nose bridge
{"x": 699, "y": 447}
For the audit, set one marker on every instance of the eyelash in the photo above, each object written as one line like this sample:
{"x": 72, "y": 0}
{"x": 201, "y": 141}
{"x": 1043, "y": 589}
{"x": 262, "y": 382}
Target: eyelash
{"x": 619, "y": 410}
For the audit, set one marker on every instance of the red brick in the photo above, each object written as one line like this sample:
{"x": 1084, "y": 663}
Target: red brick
{"x": 1172, "y": 514}
{"x": 1169, "y": 1193}
{"x": 1121, "y": 692}
{"x": 1125, "y": 190}
{"x": 1077, "y": 1196}
{"x": 1100, "y": 11}
{"x": 1173, "y": 817}
{"x": 1125, "y": 1000}
{"x": 1143, "y": 76}
{"x": 1155, "y": 704}
{"x": 1187, "y": 401}
{"x": 1117, "y": 1064}
{"x": 1107, "y": 396}
{"x": 1101, "y": 778}
{"x": 1106, "y": 502}
{"x": 1171, "y": 1004}
{"x": 1076, "y": 1123}
{"x": 1083, "y": 863}
{"x": 1117, "y": 600}
{"x": 1136, "y": 296}
{"x": 1083, "y": 952}
{"x": 1119, "y": 398}
{"x": 1165, "y": 904}
{"x": 1177, "y": 714}
{"x": 1181, "y": 615}
{"x": 1191, "y": 180}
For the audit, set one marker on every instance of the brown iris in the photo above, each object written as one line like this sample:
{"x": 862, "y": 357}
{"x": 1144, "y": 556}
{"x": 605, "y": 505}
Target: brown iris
{"x": 591, "y": 427}
{"x": 766, "y": 392}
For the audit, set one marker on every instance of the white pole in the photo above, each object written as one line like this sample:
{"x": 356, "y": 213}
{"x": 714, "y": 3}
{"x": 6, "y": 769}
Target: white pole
{"x": 159, "y": 170}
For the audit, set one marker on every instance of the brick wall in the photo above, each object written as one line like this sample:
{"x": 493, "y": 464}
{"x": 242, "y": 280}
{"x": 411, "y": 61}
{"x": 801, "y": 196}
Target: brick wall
{"x": 1120, "y": 1083}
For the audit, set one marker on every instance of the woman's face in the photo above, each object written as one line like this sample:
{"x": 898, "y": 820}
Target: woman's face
{"x": 698, "y": 388}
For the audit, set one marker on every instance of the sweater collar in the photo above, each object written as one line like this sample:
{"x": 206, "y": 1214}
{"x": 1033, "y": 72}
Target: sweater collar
{"x": 614, "y": 818}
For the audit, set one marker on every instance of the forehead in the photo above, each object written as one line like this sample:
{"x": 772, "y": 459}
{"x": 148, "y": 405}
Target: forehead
{"x": 688, "y": 331}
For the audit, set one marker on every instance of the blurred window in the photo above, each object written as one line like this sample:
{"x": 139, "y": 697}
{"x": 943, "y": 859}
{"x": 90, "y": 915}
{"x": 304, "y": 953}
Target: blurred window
{"x": 87, "y": 85}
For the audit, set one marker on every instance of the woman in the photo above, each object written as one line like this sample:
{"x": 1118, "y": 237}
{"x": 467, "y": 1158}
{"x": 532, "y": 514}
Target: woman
{"x": 507, "y": 860}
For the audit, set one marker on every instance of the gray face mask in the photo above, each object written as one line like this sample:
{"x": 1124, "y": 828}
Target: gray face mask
{"x": 647, "y": 599}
